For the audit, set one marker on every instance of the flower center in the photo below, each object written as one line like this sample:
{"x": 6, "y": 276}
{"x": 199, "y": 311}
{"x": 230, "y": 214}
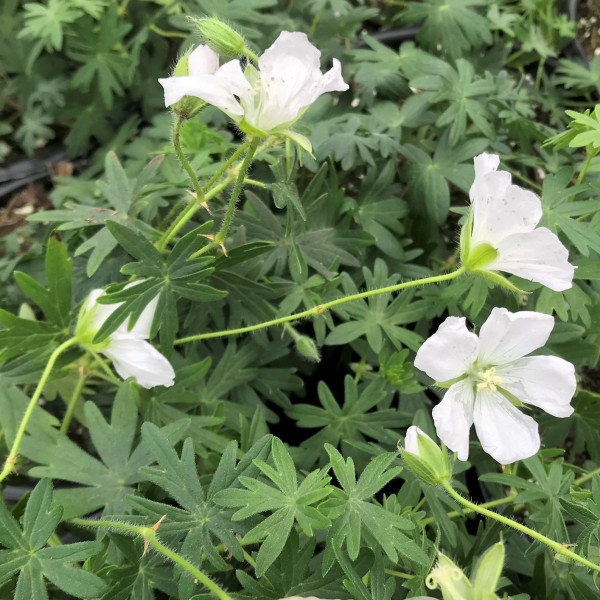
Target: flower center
{"x": 489, "y": 379}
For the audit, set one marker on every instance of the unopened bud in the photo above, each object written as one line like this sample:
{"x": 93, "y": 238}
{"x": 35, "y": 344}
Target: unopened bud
{"x": 188, "y": 106}
{"x": 220, "y": 37}
{"x": 306, "y": 347}
{"x": 425, "y": 458}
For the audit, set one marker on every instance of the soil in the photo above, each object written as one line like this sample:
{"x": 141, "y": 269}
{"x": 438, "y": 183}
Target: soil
{"x": 588, "y": 27}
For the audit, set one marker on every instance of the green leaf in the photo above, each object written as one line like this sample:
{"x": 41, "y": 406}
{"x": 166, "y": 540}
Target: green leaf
{"x": 58, "y": 275}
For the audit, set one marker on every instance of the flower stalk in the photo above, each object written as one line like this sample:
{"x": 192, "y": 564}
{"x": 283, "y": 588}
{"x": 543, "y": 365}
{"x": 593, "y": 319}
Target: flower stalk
{"x": 9, "y": 464}
{"x": 321, "y": 308}
{"x": 556, "y": 546}
{"x": 149, "y": 535}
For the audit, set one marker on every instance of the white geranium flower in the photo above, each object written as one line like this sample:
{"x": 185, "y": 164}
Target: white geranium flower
{"x": 129, "y": 351}
{"x": 287, "y": 82}
{"x": 490, "y": 373}
{"x": 504, "y": 219}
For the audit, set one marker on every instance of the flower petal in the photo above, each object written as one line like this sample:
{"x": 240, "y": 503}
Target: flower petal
{"x": 202, "y": 61}
{"x": 537, "y": 256}
{"x": 507, "y": 336}
{"x": 137, "y": 358}
{"x": 206, "y": 87}
{"x": 291, "y": 79}
{"x": 411, "y": 439}
{"x": 515, "y": 211}
{"x": 505, "y": 433}
{"x": 453, "y": 417}
{"x": 141, "y": 329}
{"x": 544, "y": 381}
{"x": 449, "y": 352}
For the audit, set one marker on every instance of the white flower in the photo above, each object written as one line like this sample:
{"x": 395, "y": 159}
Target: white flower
{"x": 504, "y": 216}
{"x": 129, "y": 351}
{"x": 487, "y": 373}
{"x": 288, "y": 81}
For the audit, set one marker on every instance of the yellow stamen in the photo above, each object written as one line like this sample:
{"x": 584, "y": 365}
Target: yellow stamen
{"x": 489, "y": 379}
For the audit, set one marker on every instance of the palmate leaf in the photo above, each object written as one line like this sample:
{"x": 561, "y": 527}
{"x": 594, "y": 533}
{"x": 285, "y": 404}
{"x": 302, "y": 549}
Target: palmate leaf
{"x": 203, "y": 523}
{"x": 26, "y": 552}
{"x": 358, "y": 521}
{"x": 451, "y": 23}
{"x": 287, "y": 500}
{"x": 363, "y": 415}
{"x": 104, "y": 482}
{"x": 46, "y": 21}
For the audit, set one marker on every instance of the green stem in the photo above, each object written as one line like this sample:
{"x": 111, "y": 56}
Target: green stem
{"x": 556, "y": 546}
{"x": 237, "y": 188}
{"x": 64, "y": 426}
{"x": 149, "y": 534}
{"x": 226, "y": 165}
{"x": 584, "y": 168}
{"x": 167, "y": 34}
{"x": 320, "y": 308}
{"x": 587, "y": 476}
{"x": 14, "y": 450}
{"x": 453, "y": 514}
{"x": 398, "y": 574}
{"x": 199, "y": 199}
{"x": 104, "y": 366}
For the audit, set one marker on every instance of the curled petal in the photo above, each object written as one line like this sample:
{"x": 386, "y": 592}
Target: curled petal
{"x": 137, "y": 358}
{"x": 547, "y": 382}
{"x": 205, "y": 87}
{"x": 537, "y": 256}
{"x": 453, "y": 417}
{"x": 507, "y": 336}
{"x": 449, "y": 352}
{"x": 505, "y": 433}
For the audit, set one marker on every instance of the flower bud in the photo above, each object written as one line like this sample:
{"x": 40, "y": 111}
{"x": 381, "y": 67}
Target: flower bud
{"x": 188, "y": 106}
{"x": 425, "y": 458}
{"x": 306, "y": 347}
{"x": 488, "y": 571}
{"x": 220, "y": 37}
{"x": 450, "y": 579}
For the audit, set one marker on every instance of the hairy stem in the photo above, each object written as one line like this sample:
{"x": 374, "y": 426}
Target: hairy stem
{"x": 587, "y": 476}
{"x": 149, "y": 534}
{"x": 556, "y": 546}
{"x": 14, "y": 449}
{"x": 319, "y": 309}
{"x": 237, "y": 188}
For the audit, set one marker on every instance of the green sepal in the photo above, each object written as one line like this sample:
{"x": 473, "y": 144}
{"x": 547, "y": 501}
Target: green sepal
{"x": 488, "y": 571}
{"x": 219, "y": 37}
{"x": 432, "y": 464}
{"x": 479, "y": 257}
{"x": 465, "y": 237}
{"x": 500, "y": 280}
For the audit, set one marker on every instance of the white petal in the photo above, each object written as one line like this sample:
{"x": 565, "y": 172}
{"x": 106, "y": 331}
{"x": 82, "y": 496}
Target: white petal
{"x": 506, "y": 336}
{"x": 102, "y": 311}
{"x": 537, "y": 256}
{"x": 515, "y": 211}
{"x": 137, "y": 358}
{"x": 202, "y": 61}
{"x": 449, "y": 352}
{"x": 231, "y": 77}
{"x": 544, "y": 381}
{"x": 141, "y": 329}
{"x": 291, "y": 79}
{"x": 485, "y": 163}
{"x": 453, "y": 417}
{"x": 505, "y": 433}
{"x": 410, "y": 440}
{"x": 205, "y": 87}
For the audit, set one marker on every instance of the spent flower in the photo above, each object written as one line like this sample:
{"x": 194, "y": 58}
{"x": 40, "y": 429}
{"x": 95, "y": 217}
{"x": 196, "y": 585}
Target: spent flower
{"x": 489, "y": 376}
{"x": 132, "y": 355}
{"x": 264, "y": 101}
{"x": 502, "y": 234}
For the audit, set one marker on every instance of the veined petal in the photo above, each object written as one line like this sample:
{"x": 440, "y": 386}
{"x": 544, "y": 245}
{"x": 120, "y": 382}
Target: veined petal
{"x": 202, "y": 61}
{"x": 507, "y": 336}
{"x": 547, "y": 382}
{"x": 505, "y": 433}
{"x": 537, "y": 256}
{"x": 453, "y": 417}
{"x": 449, "y": 352}
{"x": 206, "y": 87}
{"x": 515, "y": 211}
{"x": 137, "y": 358}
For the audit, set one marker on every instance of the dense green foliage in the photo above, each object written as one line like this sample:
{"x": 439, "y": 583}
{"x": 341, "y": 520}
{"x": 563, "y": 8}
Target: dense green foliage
{"x": 273, "y": 458}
